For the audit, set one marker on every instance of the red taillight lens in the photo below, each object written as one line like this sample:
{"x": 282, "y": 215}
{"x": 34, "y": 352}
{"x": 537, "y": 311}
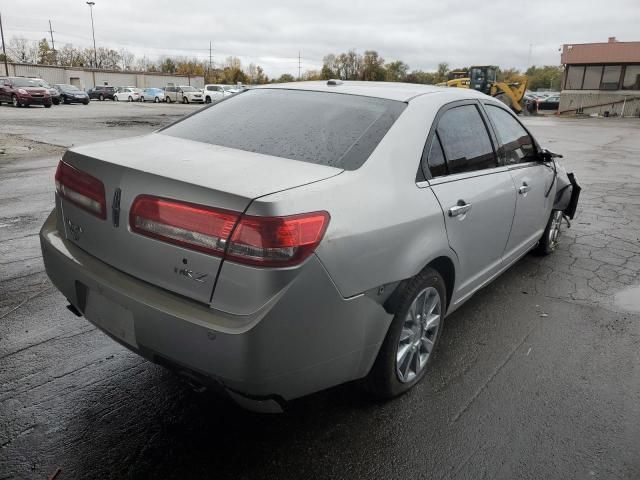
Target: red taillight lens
{"x": 81, "y": 189}
{"x": 277, "y": 241}
{"x": 262, "y": 241}
{"x": 191, "y": 226}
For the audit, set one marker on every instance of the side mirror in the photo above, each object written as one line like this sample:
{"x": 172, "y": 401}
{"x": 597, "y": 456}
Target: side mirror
{"x": 546, "y": 156}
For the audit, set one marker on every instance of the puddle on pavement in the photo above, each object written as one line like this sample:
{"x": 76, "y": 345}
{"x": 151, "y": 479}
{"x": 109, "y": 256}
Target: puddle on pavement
{"x": 628, "y": 299}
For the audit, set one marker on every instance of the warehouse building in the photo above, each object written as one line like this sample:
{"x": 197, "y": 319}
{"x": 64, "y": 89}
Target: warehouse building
{"x": 85, "y": 78}
{"x": 602, "y": 78}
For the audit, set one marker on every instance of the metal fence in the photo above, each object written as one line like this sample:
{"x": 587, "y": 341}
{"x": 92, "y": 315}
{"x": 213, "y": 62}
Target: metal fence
{"x": 87, "y": 78}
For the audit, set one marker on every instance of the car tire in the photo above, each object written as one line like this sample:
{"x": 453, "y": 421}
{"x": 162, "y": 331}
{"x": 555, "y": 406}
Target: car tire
{"x": 130, "y": 99}
{"x": 56, "y": 102}
{"x": 48, "y": 105}
{"x": 185, "y": 100}
{"x": 15, "y": 102}
{"x": 156, "y": 100}
{"x": 141, "y": 99}
{"x": 549, "y": 240}
{"x": 167, "y": 99}
{"x": 101, "y": 98}
{"x": 115, "y": 98}
{"x": 207, "y": 100}
{"x": 407, "y": 349}
{"x": 85, "y": 102}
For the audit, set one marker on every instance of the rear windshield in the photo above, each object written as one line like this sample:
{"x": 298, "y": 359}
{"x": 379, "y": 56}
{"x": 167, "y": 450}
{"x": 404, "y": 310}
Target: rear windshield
{"x": 317, "y": 127}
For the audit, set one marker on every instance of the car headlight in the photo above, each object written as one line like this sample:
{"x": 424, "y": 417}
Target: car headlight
{"x": 22, "y": 91}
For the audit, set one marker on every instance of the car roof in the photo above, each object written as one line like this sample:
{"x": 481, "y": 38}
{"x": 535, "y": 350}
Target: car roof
{"x": 402, "y": 92}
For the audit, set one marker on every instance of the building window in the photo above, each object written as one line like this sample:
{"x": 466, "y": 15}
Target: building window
{"x": 592, "y": 76}
{"x": 575, "y": 75}
{"x": 611, "y": 77}
{"x": 631, "y": 78}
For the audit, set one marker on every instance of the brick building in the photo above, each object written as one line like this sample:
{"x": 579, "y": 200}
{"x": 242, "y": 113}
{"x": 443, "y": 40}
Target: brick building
{"x": 601, "y": 78}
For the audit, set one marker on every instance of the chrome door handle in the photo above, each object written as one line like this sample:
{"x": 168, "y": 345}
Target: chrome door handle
{"x": 459, "y": 209}
{"x": 524, "y": 189}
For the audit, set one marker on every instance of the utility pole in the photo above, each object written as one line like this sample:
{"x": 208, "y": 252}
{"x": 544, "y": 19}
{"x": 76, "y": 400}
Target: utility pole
{"x": 210, "y": 63}
{"x": 53, "y": 45}
{"x": 93, "y": 31}
{"x": 6, "y": 67}
{"x": 299, "y": 66}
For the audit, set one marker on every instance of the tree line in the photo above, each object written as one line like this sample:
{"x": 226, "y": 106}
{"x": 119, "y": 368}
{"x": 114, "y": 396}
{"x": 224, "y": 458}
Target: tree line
{"x": 350, "y": 65}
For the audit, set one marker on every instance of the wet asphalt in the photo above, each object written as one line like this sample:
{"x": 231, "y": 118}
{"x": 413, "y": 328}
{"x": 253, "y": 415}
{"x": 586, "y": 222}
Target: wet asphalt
{"x": 537, "y": 376}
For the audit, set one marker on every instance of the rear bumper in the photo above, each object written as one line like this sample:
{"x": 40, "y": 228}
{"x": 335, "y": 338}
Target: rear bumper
{"x": 295, "y": 345}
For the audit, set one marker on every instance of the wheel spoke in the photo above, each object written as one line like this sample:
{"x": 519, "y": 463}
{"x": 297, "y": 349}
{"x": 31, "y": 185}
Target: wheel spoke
{"x": 428, "y": 344}
{"x": 402, "y": 354}
{"x": 432, "y": 321}
{"x": 405, "y": 334}
{"x": 407, "y": 366}
{"x": 435, "y": 300}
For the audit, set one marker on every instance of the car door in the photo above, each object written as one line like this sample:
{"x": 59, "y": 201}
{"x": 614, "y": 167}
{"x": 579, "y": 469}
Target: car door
{"x": 476, "y": 194}
{"x": 531, "y": 178}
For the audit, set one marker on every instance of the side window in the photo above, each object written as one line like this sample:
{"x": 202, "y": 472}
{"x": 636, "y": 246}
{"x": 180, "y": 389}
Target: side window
{"x": 465, "y": 140}
{"x": 516, "y": 144}
{"x": 434, "y": 160}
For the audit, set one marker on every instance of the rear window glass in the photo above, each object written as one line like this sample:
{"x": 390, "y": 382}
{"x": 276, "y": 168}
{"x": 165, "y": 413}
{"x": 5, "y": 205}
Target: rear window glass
{"x": 317, "y": 127}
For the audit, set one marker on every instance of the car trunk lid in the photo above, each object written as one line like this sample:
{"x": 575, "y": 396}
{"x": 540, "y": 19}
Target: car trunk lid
{"x": 176, "y": 169}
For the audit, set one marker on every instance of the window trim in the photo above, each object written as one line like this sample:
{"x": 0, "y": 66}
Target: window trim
{"x": 536, "y": 146}
{"x": 425, "y": 176}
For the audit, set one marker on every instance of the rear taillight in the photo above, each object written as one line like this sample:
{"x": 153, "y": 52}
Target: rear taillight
{"x": 262, "y": 241}
{"x": 277, "y": 241}
{"x": 191, "y": 226}
{"x": 81, "y": 189}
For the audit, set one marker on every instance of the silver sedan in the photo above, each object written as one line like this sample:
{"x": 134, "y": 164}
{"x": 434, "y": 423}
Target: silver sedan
{"x": 295, "y": 237}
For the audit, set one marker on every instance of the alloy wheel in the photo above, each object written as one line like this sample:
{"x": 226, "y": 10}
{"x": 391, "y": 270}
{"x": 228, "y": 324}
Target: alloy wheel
{"x": 554, "y": 229}
{"x": 418, "y": 334}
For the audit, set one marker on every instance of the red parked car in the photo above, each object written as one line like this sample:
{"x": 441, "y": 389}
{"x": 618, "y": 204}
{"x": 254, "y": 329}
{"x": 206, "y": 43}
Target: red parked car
{"x": 22, "y": 92}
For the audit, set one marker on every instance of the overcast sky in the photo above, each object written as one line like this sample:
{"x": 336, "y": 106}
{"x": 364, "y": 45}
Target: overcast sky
{"x": 422, "y": 33}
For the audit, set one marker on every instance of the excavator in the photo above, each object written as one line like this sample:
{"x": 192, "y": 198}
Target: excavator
{"x": 484, "y": 79}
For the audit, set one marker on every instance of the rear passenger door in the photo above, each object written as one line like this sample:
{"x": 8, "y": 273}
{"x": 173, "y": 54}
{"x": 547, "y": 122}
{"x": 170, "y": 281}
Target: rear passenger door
{"x": 476, "y": 194}
{"x": 531, "y": 178}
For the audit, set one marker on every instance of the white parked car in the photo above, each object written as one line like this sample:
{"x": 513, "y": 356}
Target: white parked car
{"x": 183, "y": 93}
{"x": 127, "y": 94}
{"x": 214, "y": 93}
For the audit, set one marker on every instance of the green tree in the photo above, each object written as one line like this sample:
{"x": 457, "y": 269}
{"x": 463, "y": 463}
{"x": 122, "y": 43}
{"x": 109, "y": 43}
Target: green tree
{"x": 286, "y": 78}
{"x": 546, "y": 77}
{"x": 167, "y": 65}
{"x": 372, "y": 67}
{"x": 441, "y": 72}
{"x": 46, "y": 56}
{"x": 396, "y": 71}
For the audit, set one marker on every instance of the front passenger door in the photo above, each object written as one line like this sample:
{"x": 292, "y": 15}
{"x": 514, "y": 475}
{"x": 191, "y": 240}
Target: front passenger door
{"x": 531, "y": 180}
{"x": 477, "y": 195}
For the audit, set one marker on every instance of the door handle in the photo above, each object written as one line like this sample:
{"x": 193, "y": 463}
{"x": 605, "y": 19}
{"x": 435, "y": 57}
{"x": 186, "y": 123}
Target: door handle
{"x": 460, "y": 209}
{"x": 524, "y": 188}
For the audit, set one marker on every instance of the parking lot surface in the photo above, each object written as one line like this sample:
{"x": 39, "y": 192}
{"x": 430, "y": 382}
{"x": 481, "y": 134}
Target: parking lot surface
{"x": 537, "y": 376}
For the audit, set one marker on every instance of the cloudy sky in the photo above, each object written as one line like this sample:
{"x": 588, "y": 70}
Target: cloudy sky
{"x": 422, "y": 33}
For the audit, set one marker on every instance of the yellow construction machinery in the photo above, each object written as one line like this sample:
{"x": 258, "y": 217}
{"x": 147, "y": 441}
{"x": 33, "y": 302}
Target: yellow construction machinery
{"x": 484, "y": 79}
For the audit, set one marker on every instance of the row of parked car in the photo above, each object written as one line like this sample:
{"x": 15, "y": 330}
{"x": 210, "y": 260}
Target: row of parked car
{"x": 169, "y": 94}
{"x": 23, "y": 92}
{"x": 542, "y": 101}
